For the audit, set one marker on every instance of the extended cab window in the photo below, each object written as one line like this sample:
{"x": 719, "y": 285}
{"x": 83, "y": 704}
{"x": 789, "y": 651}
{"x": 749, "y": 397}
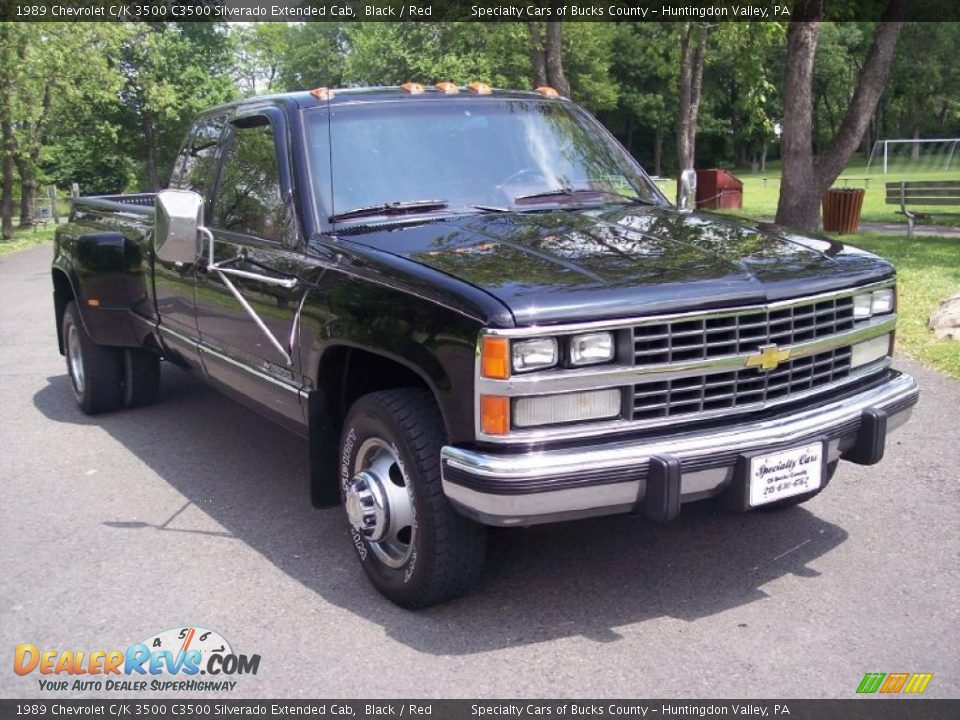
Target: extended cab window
{"x": 248, "y": 199}
{"x": 197, "y": 160}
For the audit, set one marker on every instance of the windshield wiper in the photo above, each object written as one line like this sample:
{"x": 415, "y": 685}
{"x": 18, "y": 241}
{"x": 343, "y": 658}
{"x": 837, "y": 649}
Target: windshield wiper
{"x": 391, "y": 208}
{"x": 574, "y": 192}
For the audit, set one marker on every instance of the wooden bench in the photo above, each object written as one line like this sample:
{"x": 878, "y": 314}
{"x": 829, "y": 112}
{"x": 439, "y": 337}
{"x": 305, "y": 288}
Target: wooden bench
{"x": 909, "y": 194}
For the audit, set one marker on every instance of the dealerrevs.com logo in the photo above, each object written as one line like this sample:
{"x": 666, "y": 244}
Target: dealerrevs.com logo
{"x": 893, "y": 683}
{"x": 184, "y": 659}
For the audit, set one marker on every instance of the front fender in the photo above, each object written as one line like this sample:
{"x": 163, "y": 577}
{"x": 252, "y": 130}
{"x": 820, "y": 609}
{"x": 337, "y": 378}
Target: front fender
{"x": 436, "y": 343}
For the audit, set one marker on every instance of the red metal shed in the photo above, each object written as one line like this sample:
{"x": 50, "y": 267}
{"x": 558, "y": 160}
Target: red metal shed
{"x": 718, "y": 188}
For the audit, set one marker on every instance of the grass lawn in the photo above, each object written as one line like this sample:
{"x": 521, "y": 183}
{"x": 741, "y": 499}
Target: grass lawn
{"x": 929, "y": 271}
{"x": 761, "y": 191}
{"x": 24, "y": 238}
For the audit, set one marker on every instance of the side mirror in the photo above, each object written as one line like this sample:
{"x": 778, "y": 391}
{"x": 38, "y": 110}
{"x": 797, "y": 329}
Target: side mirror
{"x": 178, "y": 221}
{"x": 687, "y": 190}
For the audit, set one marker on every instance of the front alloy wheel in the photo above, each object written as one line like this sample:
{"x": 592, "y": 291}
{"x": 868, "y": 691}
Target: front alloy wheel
{"x": 379, "y": 502}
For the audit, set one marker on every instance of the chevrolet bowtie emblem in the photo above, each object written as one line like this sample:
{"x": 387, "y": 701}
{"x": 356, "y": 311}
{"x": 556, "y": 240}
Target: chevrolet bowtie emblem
{"x": 768, "y": 357}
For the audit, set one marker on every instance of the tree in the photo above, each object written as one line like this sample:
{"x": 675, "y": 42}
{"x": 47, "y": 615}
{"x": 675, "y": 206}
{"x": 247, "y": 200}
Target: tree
{"x": 546, "y": 53}
{"x": 743, "y": 57}
{"x": 171, "y": 72}
{"x": 807, "y": 176}
{"x": 259, "y": 53}
{"x": 924, "y": 89}
{"x": 7, "y": 43}
{"x": 644, "y": 61}
{"x": 50, "y": 73}
{"x": 693, "y": 52}
{"x": 315, "y": 56}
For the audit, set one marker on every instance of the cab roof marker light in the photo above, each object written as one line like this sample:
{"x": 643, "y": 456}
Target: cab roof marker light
{"x": 322, "y": 93}
{"x": 412, "y": 88}
{"x": 547, "y": 91}
{"x": 447, "y": 88}
{"x": 480, "y": 88}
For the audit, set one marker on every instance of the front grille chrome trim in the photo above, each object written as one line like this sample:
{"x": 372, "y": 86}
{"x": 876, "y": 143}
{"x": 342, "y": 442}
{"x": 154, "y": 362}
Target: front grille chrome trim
{"x": 582, "y": 430}
{"x": 621, "y": 323}
{"x": 703, "y": 345}
{"x": 600, "y": 377}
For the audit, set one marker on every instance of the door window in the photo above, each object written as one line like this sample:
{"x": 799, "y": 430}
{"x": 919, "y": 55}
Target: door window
{"x": 197, "y": 160}
{"x": 248, "y": 199}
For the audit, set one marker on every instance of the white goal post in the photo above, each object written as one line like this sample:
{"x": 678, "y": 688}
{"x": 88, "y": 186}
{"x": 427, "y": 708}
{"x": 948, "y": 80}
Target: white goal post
{"x": 944, "y": 152}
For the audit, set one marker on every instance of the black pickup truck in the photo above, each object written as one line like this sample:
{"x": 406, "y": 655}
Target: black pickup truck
{"x": 479, "y": 311}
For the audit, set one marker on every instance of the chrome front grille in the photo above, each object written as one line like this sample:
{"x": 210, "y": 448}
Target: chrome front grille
{"x": 738, "y": 389}
{"x": 685, "y": 339}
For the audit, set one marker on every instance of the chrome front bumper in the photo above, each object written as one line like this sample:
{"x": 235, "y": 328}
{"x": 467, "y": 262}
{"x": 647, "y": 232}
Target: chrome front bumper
{"x": 614, "y": 477}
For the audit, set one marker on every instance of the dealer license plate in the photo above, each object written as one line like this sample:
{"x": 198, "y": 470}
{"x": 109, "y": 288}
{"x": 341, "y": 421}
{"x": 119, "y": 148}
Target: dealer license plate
{"x": 786, "y": 473}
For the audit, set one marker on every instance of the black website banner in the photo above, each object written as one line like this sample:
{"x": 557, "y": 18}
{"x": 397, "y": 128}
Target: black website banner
{"x": 853, "y": 709}
{"x": 456, "y": 10}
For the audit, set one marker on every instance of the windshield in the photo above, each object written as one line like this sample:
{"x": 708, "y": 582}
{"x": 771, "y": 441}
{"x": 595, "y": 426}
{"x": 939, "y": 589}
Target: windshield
{"x": 387, "y": 157}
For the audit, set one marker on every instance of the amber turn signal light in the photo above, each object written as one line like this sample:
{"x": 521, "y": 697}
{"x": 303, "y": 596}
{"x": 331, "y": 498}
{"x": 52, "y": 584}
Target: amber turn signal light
{"x": 480, "y": 88}
{"x": 322, "y": 93}
{"x": 447, "y": 88}
{"x": 412, "y": 88}
{"x": 547, "y": 91}
{"x": 494, "y": 414}
{"x": 495, "y": 358}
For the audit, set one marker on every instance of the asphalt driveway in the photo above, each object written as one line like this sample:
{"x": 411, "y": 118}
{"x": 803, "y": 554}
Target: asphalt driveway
{"x": 196, "y": 512}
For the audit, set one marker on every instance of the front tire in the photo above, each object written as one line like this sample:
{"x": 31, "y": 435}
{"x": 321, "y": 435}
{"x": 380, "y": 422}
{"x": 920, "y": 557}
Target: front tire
{"x": 415, "y": 548}
{"x": 94, "y": 370}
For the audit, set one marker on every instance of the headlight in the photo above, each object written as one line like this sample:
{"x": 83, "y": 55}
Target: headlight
{"x": 534, "y": 354}
{"x": 591, "y": 349}
{"x": 878, "y": 302}
{"x": 882, "y": 301}
{"x": 569, "y": 407}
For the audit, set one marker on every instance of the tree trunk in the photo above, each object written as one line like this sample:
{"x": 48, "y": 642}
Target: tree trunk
{"x": 690, "y": 84}
{"x": 657, "y": 151}
{"x": 538, "y": 60}
{"x": 28, "y": 192}
{"x": 870, "y": 85}
{"x": 799, "y": 203}
{"x": 153, "y": 177}
{"x": 7, "y": 201}
{"x": 554, "y": 51}
{"x": 763, "y": 155}
{"x": 806, "y": 177}
{"x": 915, "y": 148}
{"x": 6, "y": 128}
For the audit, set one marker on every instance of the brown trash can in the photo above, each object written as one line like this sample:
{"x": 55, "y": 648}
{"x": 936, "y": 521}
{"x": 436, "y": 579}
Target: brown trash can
{"x": 841, "y": 209}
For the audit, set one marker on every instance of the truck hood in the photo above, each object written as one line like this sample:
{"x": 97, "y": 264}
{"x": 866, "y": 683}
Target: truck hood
{"x": 569, "y": 265}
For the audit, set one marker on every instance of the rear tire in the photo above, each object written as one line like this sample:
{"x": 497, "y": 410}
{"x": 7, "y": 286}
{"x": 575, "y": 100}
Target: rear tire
{"x": 415, "y": 548}
{"x": 94, "y": 370}
{"x": 141, "y": 377}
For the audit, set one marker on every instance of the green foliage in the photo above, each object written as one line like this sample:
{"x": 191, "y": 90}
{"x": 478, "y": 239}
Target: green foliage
{"x": 107, "y": 104}
{"x": 394, "y": 53}
{"x": 56, "y": 78}
{"x": 259, "y": 52}
{"x": 928, "y": 271}
{"x": 924, "y": 89}
{"x": 171, "y": 72}
{"x": 313, "y": 56}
